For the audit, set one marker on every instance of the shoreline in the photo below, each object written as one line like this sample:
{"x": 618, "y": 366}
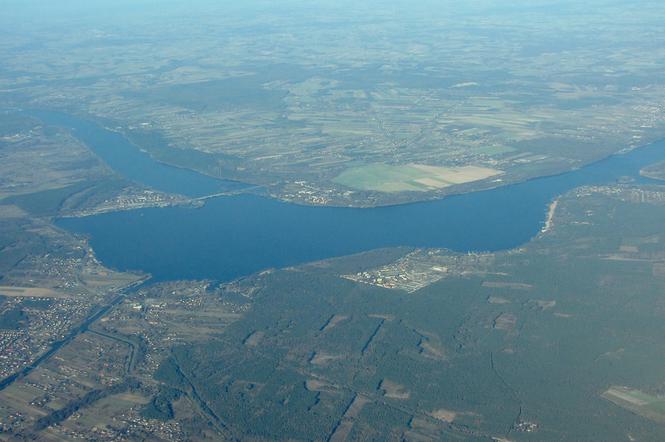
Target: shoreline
{"x": 264, "y": 190}
{"x": 549, "y": 221}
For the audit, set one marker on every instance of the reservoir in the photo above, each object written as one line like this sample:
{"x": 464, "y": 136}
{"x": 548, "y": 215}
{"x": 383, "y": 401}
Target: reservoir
{"x": 237, "y": 235}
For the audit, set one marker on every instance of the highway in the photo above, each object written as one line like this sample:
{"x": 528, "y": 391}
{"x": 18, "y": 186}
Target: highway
{"x": 83, "y": 327}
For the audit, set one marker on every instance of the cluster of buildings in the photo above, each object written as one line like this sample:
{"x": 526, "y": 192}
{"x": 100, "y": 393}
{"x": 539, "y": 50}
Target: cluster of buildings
{"x": 419, "y": 269}
{"x": 132, "y": 200}
{"x": 19, "y": 347}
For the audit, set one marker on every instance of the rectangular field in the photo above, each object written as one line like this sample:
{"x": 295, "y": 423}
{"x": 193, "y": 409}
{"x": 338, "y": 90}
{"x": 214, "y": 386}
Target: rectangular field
{"x": 31, "y": 292}
{"x": 651, "y": 407}
{"x": 411, "y": 177}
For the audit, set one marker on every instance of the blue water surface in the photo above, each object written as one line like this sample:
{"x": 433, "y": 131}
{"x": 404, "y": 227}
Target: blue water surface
{"x": 238, "y": 235}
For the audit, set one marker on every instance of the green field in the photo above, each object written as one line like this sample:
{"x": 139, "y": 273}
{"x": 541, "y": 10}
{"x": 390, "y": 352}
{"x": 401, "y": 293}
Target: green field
{"x": 654, "y": 171}
{"x": 496, "y": 150}
{"x": 646, "y": 405}
{"x": 410, "y": 177}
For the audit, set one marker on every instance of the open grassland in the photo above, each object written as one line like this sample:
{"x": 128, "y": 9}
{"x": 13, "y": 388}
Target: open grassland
{"x": 31, "y": 292}
{"x": 411, "y": 177}
{"x": 655, "y": 171}
{"x": 646, "y": 405}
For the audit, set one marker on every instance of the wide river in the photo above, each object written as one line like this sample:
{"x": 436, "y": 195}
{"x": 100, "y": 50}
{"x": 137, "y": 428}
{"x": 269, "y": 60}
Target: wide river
{"x": 238, "y": 235}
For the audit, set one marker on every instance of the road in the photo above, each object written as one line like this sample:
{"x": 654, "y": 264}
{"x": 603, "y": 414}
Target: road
{"x": 227, "y": 193}
{"x": 6, "y": 382}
